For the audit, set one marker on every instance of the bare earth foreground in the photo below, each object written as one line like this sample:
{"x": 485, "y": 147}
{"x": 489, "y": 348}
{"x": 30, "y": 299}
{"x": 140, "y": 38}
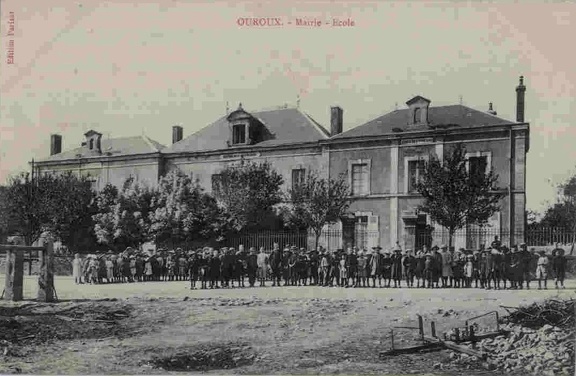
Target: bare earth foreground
{"x": 163, "y": 327}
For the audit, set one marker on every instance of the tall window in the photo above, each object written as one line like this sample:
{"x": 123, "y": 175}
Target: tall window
{"x": 359, "y": 179}
{"x": 478, "y": 165}
{"x": 298, "y": 176}
{"x": 415, "y": 173}
{"x": 91, "y": 143}
{"x": 417, "y": 115}
{"x": 239, "y": 134}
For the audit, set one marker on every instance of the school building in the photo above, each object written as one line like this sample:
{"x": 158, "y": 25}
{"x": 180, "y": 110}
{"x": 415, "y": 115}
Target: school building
{"x": 381, "y": 159}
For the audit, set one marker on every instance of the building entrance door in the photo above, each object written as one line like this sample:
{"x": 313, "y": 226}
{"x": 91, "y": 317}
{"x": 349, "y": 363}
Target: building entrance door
{"x": 423, "y": 233}
{"x": 348, "y": 227}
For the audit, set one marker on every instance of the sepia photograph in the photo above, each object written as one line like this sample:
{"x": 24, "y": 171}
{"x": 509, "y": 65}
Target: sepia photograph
{"x": 264, "y": 187}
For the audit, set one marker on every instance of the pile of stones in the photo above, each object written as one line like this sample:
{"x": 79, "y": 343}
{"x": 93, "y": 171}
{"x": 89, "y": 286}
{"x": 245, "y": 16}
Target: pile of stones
{"x": 545, "y": 351}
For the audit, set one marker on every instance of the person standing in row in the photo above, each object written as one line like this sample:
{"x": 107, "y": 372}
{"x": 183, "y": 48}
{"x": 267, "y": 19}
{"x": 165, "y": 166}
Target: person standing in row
{"x": 262, "y": 264}
{"x": 252, "y": 266}
{"x": 409, "y": 263}
{"x": 276, "y": 265}
{"x": 559, "y": 267}
{"x": 542, "y": 270}
{"x": 397, "y": 267}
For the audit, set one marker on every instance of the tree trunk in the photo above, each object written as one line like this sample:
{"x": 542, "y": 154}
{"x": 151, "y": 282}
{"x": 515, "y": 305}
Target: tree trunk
{"x": 317, "y": 233}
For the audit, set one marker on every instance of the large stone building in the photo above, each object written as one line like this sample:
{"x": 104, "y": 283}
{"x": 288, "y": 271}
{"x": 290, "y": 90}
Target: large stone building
{"x": 382, "y": 160}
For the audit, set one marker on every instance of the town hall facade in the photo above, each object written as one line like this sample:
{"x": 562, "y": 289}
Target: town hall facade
{"x": 381, "y": 160}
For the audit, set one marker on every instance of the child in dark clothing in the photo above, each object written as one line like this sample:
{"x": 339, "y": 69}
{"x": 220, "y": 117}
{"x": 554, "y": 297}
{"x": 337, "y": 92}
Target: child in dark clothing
{"x": 559, "y": 267}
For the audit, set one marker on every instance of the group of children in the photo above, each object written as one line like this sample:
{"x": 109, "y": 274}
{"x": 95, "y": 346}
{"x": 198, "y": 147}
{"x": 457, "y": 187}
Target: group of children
{"x": 497, "y": 267}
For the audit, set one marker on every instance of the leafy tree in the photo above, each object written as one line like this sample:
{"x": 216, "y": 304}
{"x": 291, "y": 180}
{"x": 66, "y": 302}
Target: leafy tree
{"x": 248, "y": 192}
{"x": 49, "y": 203}
{"x": 454, "y": 196}
{"x": 182, "y": 212}
{"x": 123, "y": 217}
{"x": 316, "y": 202}
{"x": 563, "y": 213}
{"x": 71, "y": 212}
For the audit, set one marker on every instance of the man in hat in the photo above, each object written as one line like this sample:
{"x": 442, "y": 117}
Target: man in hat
{"x": 542, "y": 270}
{"x": 429, "y": 270}
{"x": 286, "y": 261}
{"x": 387, "y": 268}
{"x": 262, "y": 263}
{"x": 437, "y": 258}
{"x": 419, "y": 269}
{"x": 313, "y": 265}
{"x": 446, "y": 265}
{"x": 302, "y": 267}
{"x": 252, "y": 266}
{"x": 335, "y": 267}
{"x": 276, "y": 264}
{"x": 214, "y": 264}
{"x": 193, "y": 268}
{"x": 409, "y": 264}
{"x": 374, "y": 266}
{"x": 524, "y": 266}
{"x": 352, "y": 265}
{"x": 292, "y": 266}
{"x": 397, "y": 266}
{"x": 240, "y": 265}
{"x": 559, "y": 267}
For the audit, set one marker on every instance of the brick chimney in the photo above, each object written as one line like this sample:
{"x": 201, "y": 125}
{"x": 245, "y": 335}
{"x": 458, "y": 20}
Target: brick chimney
{"x": 176, "y": 133}
{"x": 336, "y": 113}
{"x": 520, "y": 90}
{"x": 55, "y": 144}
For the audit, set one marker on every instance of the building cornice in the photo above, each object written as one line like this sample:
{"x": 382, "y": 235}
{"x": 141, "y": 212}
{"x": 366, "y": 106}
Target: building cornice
{"x": 429, "y": 133}
{"x": 97, "y": 159}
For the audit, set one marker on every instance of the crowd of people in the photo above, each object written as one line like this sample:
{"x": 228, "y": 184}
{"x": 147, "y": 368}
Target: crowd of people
{"x": 495, "y": 267}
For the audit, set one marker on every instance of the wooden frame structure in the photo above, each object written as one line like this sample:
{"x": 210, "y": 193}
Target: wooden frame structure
{"x": 14, "y": 270}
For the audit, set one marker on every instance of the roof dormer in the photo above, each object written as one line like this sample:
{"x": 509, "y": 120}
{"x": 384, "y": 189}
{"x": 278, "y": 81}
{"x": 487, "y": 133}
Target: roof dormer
{"x": 418, "y": 110}
{"x": 93, "y": 141}
{"x": 244, "y": 128}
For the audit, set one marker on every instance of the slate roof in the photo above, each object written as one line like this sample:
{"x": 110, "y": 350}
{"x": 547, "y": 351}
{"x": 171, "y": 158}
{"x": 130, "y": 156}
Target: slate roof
{"x": 284, "y": 126}
{"x": 452, "y": 116}
{"x": 114, "y": 146}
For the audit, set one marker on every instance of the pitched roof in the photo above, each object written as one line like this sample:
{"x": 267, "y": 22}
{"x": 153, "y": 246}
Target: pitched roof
{"x": 457, "y": 116}
{"x": 284, "y": 126}
{"x": 113, "y": 146}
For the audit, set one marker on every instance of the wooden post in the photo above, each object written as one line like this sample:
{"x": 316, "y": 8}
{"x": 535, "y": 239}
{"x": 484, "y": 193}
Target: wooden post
{"x": 433, "y": 329}
{"x": 14, "y": 286}
{"x": 421, "y": 327}
{"x": 46, "y": 273}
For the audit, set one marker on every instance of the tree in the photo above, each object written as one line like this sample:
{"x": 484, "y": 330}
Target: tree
{"x": 248, "y": 192}
{"x": 71, "y": 212}
{"x": 182, "y": 212}
{"x": 454, "y": 196}
{"x": 316, "y": 202}
{"x": 123, "y": 217}
{"x": 49, "y": 203}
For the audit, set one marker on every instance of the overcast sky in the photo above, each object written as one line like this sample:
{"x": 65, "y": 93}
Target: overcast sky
{"x": 127, "y": 68}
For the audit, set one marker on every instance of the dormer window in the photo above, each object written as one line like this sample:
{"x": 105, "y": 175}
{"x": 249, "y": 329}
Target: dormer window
{"x": 93, "y": 141}
{"x": 239, "y": 133}
{"x": 244, "y": 128}
{"x": 417, "y": 115}
{"x": 418, "y": 109}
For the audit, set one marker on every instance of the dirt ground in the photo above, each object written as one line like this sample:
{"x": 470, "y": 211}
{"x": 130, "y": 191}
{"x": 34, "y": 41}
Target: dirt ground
{"x": 163, "y": 327}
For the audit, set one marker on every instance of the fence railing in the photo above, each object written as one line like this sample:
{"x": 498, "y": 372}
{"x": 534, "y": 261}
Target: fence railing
{"x": 267, "y": 239}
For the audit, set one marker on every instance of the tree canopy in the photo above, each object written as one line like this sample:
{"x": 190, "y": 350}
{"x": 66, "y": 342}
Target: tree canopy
{"x": 316, "y": 202}
{"x": 181, "y": 212}
{"x": 455, "y": 195}
{"x": 248, "y": 192}
{"x": 123, "y": 219}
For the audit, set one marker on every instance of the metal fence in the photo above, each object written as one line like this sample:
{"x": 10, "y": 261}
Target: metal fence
{"x": 267, "y": 239}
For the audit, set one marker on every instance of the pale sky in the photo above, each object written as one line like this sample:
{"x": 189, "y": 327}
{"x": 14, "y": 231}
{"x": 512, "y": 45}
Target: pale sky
{"x": 131, "y": 67}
